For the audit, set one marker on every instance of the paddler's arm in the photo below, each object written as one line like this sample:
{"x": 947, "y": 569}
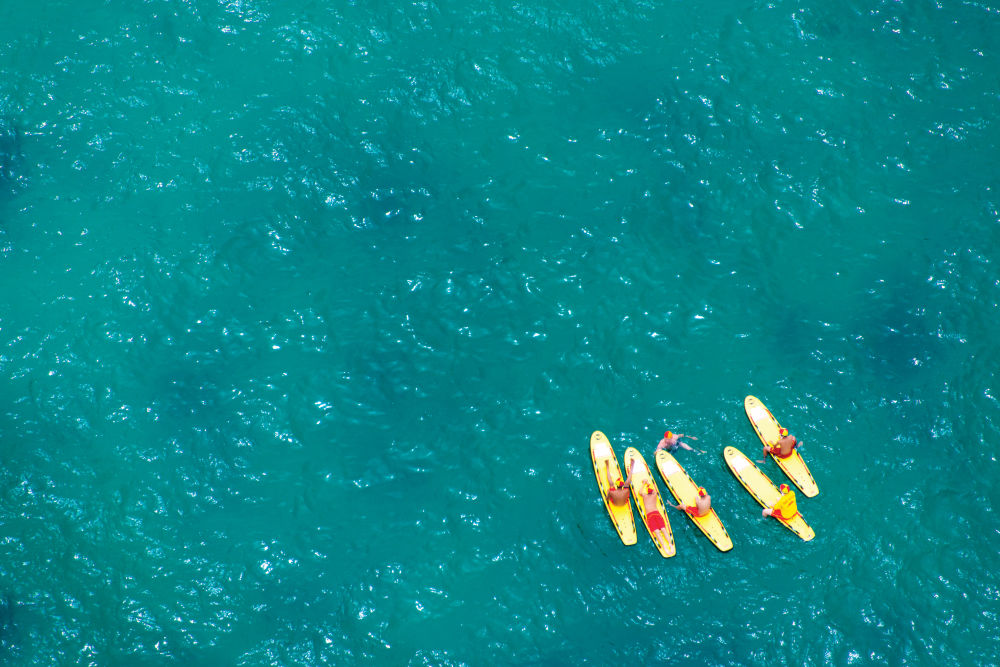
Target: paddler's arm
{"x": 607, "y": 471}
{"x": 628, "y": 480}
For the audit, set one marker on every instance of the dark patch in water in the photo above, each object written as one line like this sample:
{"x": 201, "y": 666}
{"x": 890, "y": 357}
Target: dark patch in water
{"x": 9, "y": 643}
{"x": 11, "y": 159}
{"x": 899, "y": 340}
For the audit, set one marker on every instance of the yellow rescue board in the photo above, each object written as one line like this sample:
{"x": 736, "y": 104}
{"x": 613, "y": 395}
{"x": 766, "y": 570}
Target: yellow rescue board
{"x": 621, "y": 516}
{"x": 763, "y": 489}
{"x": 640, "y": 478}
{"x": 685, "y": 491}
{"x": 767, "y": 428}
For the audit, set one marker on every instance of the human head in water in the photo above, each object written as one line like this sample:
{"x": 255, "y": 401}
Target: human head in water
{"x": 702, "y": 492}
{"x": 784, "y": 488}
{"x": 783, "y": 432}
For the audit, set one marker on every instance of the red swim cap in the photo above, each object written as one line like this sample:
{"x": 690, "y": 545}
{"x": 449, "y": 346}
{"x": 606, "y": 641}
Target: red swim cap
{"x": 702, "y": 492}
{"x": 668, "y": 435}
{"x": 783, "y": 432}
{"x": 784, "y": 488}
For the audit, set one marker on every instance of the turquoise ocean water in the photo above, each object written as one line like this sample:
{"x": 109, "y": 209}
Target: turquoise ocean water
{"x": 309, "y": 310}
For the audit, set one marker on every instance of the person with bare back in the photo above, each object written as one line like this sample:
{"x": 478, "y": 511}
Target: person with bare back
{"x": 654, "y": 519}
{"x": 702, "y": 504}
{"x": 618, "y": 490}
{"x": 783, "y": 448}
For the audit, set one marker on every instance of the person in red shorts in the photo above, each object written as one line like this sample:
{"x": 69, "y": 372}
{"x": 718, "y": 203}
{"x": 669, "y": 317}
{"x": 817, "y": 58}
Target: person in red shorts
{"x": 618, "y": 492}
{"x": 783, "y": 448}
{"x": 657, "y": 524}
{"x": 702, "y": 504}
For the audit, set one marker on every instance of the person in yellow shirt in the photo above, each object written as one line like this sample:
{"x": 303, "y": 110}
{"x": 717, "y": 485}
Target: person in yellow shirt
{"x": 785, "y": 508}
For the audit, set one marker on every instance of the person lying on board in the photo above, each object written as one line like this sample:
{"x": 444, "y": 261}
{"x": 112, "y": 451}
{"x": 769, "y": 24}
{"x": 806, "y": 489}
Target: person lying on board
{"x": 657, "y": 524}
{"x": 618, "y": 491}
{"x": 702, "y": 504}
{"x": 785, "y": 508}
{"x": 671, "y": 441}
{"x": 783, "y": 448}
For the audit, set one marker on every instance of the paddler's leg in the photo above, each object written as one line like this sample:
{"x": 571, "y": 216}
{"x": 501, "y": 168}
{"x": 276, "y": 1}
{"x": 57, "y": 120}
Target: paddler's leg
{"x": 764, "y": 455}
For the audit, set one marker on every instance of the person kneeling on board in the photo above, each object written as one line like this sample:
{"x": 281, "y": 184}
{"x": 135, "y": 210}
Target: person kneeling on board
{"x": 785, "y": 508}
{"x": 671, "y": 441}
{"x": 618, "y": 492}
{"x": 657, "y": 524}
{"x": 783, "y": 448}
{"x": 702, "y": 504}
